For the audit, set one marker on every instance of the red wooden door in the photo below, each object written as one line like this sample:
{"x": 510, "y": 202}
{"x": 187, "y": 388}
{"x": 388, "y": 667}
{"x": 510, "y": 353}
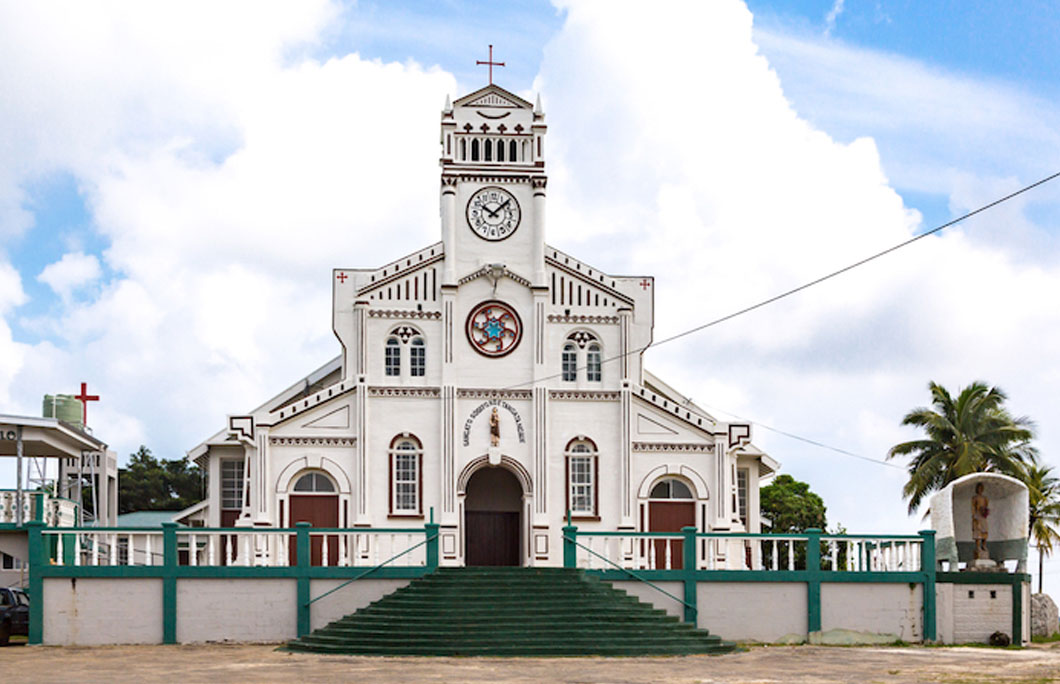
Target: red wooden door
{"x": 670, "y": 516}
{"x": 492, "y": 537}
{"x": 318, "y": 511}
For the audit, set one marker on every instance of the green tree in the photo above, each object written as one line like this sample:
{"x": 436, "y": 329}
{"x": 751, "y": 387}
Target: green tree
{"x": 972, "y": 433}
{"x": 791, "y": 507}
{"x": 152, "y": 484}
{"x": 1044, "y": 493}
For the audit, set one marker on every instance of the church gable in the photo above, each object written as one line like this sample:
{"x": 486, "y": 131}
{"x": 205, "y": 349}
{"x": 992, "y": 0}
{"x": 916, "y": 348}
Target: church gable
{"x": 573, "y": 283}
{"x": 414, "y": 278}
{"x": 493, "y": 96}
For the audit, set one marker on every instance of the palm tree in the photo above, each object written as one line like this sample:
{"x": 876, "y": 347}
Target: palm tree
{"x": 1044, "y": 493}
{"x": 972, "y": 433}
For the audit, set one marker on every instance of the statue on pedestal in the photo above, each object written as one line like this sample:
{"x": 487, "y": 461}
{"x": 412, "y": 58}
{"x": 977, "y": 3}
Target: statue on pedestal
{"x": 495, "y": 428}
{"x": 980, "y": 510}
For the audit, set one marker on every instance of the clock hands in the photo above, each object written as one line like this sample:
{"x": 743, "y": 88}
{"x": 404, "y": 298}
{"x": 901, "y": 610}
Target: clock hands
{"x": 494, "y": 212}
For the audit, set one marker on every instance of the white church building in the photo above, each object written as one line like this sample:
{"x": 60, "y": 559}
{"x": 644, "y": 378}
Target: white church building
{"x": 490, "y": 382}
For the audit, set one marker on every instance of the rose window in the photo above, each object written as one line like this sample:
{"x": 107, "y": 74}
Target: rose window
{"x": 494, "y": 329}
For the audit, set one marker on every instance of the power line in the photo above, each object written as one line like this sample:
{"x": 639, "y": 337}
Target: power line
{"x": 805, "y": 286}
{"x": 800, "y": 438}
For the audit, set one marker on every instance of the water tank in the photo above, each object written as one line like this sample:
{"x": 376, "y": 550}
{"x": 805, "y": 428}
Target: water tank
{"x": 65, "y": 407}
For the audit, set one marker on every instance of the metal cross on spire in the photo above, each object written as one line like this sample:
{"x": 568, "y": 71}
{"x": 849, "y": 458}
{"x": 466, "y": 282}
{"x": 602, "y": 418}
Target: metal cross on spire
{"x": 491, "y": 64}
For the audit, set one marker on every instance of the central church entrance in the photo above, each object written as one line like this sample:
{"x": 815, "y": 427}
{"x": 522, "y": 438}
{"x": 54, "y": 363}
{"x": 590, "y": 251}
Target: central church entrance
{"x": 492, "y": 517}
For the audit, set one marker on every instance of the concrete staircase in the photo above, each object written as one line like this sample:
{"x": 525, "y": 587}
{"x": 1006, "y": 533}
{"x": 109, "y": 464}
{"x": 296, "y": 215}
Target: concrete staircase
{"x": 509, "y": 612}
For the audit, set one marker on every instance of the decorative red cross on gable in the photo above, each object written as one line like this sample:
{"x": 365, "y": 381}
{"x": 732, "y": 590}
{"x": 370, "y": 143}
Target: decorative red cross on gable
{"x": 645, "y": 283}
{"x": 342, "y": 277}
{"x": 84, "y": 398}
{"x": 491, "y": 64}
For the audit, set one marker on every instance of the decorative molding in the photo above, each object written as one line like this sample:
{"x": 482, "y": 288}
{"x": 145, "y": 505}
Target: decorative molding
{"x": 404, "y": 313}
{"x": 492, "y": 100}
{"x": 474, "y": 393}
{"x": 581, "y": 338}
{"x": 313, "y": 441}
{"x": 739, "y": 434}
{"x": 485, "y": 271}
{"x": 582, "y": 318}
{"x": 406, "y": 333}
{"x": 663, "y": 447}
{"x": 415, "y": 392}
{"x": 585, "y": 395}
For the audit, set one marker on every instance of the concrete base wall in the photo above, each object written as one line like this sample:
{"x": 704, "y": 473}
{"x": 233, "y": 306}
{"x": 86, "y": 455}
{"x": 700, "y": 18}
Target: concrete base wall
{"x": 858, "y": 613}
{"x": 118, "y": 610}
{"x": 753, "y": 611}
{"x": 90, "y": 611}
{"x": 246, "y": 610}
{"x": 349, "y": 599}
{"x": 970, "y": 613}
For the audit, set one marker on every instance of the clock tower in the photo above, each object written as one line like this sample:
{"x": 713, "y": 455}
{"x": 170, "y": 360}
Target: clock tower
{"x": 493, "y": 185}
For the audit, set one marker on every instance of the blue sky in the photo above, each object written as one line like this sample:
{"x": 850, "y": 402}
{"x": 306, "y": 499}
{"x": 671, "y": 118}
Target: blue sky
{"x": 177, "y": 184}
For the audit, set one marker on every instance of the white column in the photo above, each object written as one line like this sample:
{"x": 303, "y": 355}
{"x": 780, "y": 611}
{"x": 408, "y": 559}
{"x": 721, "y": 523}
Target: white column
{"x": 449, "y": 219}
{"x": 539, "y": 231}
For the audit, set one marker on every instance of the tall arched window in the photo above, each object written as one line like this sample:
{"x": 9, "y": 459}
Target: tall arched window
{"x": 500, "y": 150}
{"x": 417, "y": 358}
{"x": 463, "y": 150}
{"x": 582, "y": 473}
{"x": 569, "y": 363}
{"x": 474, "y": 149}
{"x": 513, "y": 151}
{"x": 393, "y": 357}
{"x": 406, "y": 476}
{"x": 594, "y": 363}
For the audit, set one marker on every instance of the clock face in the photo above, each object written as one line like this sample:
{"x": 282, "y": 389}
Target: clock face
{"x": 493, "y": 213}
{"x": 494, "y": 328}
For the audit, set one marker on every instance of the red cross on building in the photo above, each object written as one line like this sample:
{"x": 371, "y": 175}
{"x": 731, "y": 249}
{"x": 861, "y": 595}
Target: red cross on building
{"x": 342, "y": 277}
{"x": 84, "y": 398}
{"x": 491, "y": 64}
{"x": 645, "y": 283}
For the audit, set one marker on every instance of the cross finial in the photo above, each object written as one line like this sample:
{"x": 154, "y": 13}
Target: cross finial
{"x": 491, "y": 64}
{"x": 84, "y": 398}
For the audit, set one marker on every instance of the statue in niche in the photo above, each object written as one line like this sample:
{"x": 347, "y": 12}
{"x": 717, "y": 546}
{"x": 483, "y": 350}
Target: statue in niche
{"x": 495, "y": 428}
{"x": 980, "y": 510}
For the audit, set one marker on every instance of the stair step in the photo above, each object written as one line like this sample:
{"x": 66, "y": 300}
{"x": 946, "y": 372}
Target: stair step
{"x": 509, "y": 612}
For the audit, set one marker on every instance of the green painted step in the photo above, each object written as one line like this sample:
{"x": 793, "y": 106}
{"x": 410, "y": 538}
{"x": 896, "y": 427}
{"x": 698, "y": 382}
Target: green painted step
{"x": 509, "y": 612}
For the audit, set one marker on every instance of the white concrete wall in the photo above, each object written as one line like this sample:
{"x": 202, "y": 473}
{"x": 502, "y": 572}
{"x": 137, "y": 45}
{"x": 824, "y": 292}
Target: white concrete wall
{"x": 653, "y": 596}
{"x": 871, "y": 613}
{"x": 243, "y": 610}
{"x": 753, "y": 611}
{"x": 92, "y": 611}
{"x": 977, "y": 615}
{"x": 349, "y": 599}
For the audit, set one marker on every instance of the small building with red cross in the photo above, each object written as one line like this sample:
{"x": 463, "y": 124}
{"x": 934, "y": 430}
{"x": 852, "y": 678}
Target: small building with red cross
{"x": 490, "y": 381}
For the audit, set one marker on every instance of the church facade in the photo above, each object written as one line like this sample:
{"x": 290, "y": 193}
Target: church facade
{"x": 490, "y": 382}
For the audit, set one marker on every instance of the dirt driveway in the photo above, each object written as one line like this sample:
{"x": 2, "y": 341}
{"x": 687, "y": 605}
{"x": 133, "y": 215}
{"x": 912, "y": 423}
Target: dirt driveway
{"x": 221, "y": 663}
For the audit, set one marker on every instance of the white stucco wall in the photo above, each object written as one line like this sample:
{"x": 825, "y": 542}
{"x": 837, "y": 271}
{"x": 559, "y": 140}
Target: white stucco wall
{"x": 349, "y": 599}
{"x": 977, "y": 615}
{"x": 102, "y": 611}
{"x": 753, "y": 611}
{"x": 868, "y": 613}
{"x": 650, "y": 595}
{"x": 243, "y": 610}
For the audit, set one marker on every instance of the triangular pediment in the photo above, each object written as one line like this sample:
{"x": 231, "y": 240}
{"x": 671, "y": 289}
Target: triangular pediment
{"x": 339, "y": 418}
{"x": 493, "y": 96}
{"x": 647, "y": 426}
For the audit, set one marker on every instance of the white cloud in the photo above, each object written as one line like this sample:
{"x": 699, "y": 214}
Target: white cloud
{"x": 833, "y": 14}
{"x": 73, "y": 272}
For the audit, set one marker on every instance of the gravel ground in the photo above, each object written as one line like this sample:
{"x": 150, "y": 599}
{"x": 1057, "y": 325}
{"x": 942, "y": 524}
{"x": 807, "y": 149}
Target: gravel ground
{"x": 762, "y": 664}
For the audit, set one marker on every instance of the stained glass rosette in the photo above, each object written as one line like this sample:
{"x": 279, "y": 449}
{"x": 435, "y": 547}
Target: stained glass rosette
{"x": 494, "y": 329}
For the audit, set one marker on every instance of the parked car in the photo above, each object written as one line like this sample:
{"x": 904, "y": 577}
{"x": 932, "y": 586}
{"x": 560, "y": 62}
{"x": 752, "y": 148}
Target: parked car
{"x": 14, "y": 614}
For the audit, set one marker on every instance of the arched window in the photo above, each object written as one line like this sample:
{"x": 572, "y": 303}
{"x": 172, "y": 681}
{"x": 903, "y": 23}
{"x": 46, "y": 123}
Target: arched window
{"x": 671, "y": 488}
{"x": 406, "y": 476}
{"x": 524, "y": 157}
{"x": 488, "y": 150}
{"x": 463, "y": 150}
{"x": 569, "y": 363}
{"x": 418, "y": 358}
{"x": 316, "y": 483}
{"x": 594, "y": 363}
{"x": 513, "y": 151}
{"x": 393, "y": 357}
{"x": 500, "y": 150}
{"x": 474, "y": 149}
{"x": 582, "y": 473}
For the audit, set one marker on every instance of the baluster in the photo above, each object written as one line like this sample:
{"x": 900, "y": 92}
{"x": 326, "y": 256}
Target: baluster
{"x": 58, "y": 549}
{"x": 324, "y": 550}
{"x": 210, "y": 552}
{"x": 112, "y": 552}
{"x": 77, "y": 548}
{"x": 245, "y": 550}
{"x": 833, "y": 546}
{"x": 193, "y": 550}
{"x": 229, "y": 546}
{"x": 791, "y": 554}
{"x": 669, "y": 554}
{"x": 910, "y": 557}
{"x": 776, "y": 555}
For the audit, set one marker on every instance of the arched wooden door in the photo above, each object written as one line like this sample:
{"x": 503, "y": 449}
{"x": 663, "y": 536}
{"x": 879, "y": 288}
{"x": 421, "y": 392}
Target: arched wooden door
{"x": 314, "y": 501}
{"x": 492, "y": 518}
{"x": 670, "y": 507}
